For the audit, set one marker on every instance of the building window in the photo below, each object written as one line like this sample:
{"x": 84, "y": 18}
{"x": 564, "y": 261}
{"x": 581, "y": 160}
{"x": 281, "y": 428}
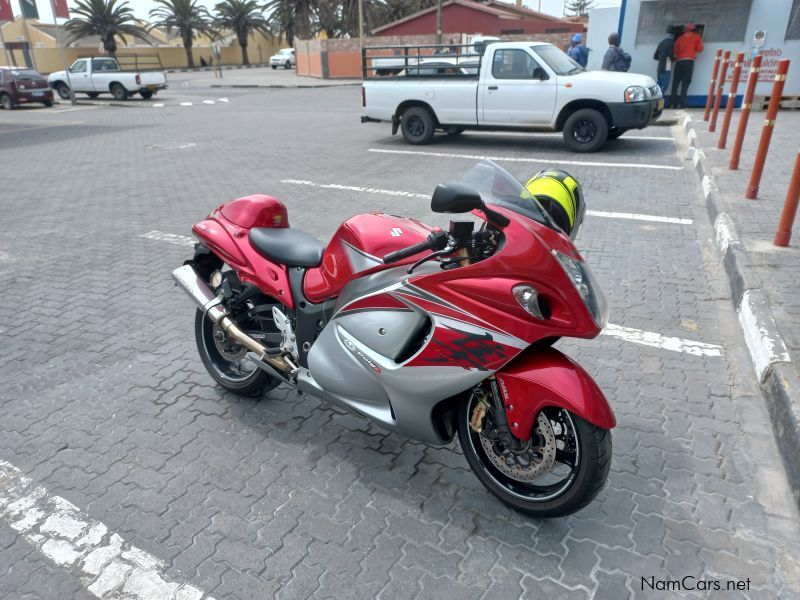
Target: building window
{"x": 793, "y": 28}
{"x": 725, "y": 20}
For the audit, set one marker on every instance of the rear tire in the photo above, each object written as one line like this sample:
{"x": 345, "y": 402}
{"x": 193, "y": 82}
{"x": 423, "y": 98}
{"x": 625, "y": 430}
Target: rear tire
{"x": 119, "y": 92}
{"x": 6, "y": 101}
{"x": 224, "y": 371}
{"x": 417, "y": 125}
{"x": 146, "y": 94}
{"x": 586, "y": 130}
{"x": 47, "y": 103}
{"x": 593, "y": 458}
{"x": 62, "y": 90}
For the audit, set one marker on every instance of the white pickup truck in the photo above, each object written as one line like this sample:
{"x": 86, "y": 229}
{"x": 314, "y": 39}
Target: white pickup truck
{"x": 523, "y": 86}
{"x": 103, "y": 75}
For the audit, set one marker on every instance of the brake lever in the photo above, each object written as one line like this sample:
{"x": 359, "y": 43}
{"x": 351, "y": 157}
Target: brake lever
{"x": 447, "y": 250}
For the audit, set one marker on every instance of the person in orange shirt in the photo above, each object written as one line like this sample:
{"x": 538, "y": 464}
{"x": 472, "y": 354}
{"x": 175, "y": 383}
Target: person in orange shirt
{"x": 686, "y": 48}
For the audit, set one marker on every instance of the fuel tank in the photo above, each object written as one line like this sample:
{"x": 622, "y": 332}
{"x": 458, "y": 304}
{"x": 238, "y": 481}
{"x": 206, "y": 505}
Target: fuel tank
{"x": 357, "y": 248}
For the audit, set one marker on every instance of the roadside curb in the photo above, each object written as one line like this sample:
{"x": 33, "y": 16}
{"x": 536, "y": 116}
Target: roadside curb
{"x": 778, "y": 379}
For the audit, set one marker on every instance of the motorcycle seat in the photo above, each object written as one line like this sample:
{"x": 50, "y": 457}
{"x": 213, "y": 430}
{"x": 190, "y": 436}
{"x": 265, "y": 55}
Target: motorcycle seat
{"x": 287, "y": 246}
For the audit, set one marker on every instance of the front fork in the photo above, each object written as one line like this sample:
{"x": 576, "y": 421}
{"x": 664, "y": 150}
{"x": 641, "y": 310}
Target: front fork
{"x": 493, "y": 401}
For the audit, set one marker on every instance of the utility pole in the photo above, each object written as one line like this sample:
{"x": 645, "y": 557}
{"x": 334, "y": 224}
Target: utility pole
{"x": 438, "y": 21}
{"x": 361, "y": 21}
{"x": 60, "y": 40}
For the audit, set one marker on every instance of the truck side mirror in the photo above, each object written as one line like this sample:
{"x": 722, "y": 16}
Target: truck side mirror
{"x": 540, "y": 74}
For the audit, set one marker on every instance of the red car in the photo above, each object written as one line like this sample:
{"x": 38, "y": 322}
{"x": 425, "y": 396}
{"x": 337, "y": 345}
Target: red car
{"x": 23, "y": 86}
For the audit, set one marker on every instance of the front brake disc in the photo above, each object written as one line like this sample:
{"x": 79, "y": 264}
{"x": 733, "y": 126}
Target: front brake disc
{"x": 530, "y": 462}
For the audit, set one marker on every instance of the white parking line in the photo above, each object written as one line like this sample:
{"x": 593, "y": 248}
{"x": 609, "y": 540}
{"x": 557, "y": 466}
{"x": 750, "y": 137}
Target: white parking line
{"x": 549, "y": 161}
{"x": 158, "y": 105}
{"x": 659, "y": 138}
{"x": 172, "y": 238}
{"x": 224, "y": 100}
{"x": 354, "y": 188}
{"x": 208, "y": 102}
{"x": 186, "y": 103}
{"x": 638, "y": 217}
{"x": 594, "y": 213}
{"x": 108, "y": 566}
{"x": 656, "y": 340}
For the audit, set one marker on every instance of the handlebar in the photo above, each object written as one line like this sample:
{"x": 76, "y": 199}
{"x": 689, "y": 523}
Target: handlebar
{"x": 406, "y": 252}
{"x": 437, "y": 239}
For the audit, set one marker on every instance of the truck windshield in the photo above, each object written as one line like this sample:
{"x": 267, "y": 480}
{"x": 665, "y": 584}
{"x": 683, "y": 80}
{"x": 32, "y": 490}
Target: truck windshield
{"x": 557, "y": 60}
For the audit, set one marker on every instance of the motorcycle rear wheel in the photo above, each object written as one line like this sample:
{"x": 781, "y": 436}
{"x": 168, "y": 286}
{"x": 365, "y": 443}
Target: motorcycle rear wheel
{"x": 229, "y": 373}
{"x": 587, "y": 446}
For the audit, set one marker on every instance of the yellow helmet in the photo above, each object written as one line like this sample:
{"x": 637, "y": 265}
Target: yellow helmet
{"x": 561, "y": 196}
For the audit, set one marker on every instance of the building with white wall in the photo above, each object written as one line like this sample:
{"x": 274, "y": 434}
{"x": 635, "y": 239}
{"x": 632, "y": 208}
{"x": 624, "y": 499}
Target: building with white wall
{"x": 728, "y": 24}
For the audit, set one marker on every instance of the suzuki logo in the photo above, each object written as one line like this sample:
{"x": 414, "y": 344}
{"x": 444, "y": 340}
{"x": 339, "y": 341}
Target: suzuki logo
{"x": 396, "y": 232}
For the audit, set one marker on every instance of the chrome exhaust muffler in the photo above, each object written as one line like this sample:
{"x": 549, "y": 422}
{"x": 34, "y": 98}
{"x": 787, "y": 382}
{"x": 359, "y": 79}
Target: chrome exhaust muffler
{"x": 205, "y": 298}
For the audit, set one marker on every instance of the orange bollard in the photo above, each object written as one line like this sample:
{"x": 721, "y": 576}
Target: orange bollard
{"x": 784, "y": 232}
{"x": 766, "y": 133}
{"x": 710, "y": 97}
{"x": 718, "y": 98}
{"x": 726, "y": 122}
{"x": 744, "y": 116}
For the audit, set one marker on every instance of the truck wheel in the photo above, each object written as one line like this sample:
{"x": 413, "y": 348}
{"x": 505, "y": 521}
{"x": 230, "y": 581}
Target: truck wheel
{"x": 6, "y": 101}
{"x": 274, "y": 67}
{"x": 48, "y": 103}
{"x": 146, "y": 94}
{"x": 119, "y": 92}
{"x": 63, "y": 90}
{"x": 586, "y": 130}
{"x": 288, "y": 65}
{"x": 93, "y": 94}
{"x": 417, "y": 125}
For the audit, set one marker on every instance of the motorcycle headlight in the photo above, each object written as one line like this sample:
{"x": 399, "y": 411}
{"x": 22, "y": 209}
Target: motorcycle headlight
{"x": 635, "y": 93}
{"x": 587, "y": 286}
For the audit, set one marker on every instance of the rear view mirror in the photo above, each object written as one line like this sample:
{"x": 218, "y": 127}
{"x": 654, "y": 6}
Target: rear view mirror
{"x": 455, "y": 197}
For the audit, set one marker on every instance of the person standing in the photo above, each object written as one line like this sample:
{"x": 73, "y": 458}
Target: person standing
{"x": 664, "y": 57}
{"x": 686, "y": 48}
{"x": 615, "y": 59}
{"x": 578, "y": 52}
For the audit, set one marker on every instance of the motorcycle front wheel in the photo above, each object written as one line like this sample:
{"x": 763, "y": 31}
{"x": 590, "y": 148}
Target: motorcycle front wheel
{"x": 555, "y": 473}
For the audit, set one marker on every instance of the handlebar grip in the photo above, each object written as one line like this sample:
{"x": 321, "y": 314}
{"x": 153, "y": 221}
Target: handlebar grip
{"x": 406, "y": 252}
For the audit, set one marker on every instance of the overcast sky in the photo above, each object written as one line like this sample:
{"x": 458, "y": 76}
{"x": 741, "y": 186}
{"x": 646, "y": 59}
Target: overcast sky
{"x": 142, "y": 7}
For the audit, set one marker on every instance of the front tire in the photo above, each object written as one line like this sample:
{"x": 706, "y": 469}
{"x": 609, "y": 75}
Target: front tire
{"x": 287, "y": 66}
{"x": 417, "y": 125}
{"x": 63, "y": 91}
{"x": 565, "y": 488}
{"x": 586, "y": 130}
{"x": 274, "y": 67}
{"x": 6, "y": 101}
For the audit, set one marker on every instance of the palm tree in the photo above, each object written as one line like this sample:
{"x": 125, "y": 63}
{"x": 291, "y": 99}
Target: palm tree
{"x": 243, "y": 17}
{"x": 187, "y": 18}
{"x": 280, "y": 16}
{"x": 292, "y": 18}
{"x": 106, "y": 19}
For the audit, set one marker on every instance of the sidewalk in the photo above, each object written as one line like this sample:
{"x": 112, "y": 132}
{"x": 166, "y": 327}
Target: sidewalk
{"x": 765, "y": 279}
{"x": 252, "y": 77}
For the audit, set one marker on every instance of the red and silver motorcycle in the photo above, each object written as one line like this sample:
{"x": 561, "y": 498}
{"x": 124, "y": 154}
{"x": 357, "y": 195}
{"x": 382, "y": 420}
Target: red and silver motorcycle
{"x": 423, "y": 331}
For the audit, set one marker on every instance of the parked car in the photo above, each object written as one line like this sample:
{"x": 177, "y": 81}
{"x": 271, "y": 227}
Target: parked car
{"x": 284, "y": 58}
{"x": 525, "y": 86}
{"x": 23, "y": 86}
{"x": 103, "y": 75}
